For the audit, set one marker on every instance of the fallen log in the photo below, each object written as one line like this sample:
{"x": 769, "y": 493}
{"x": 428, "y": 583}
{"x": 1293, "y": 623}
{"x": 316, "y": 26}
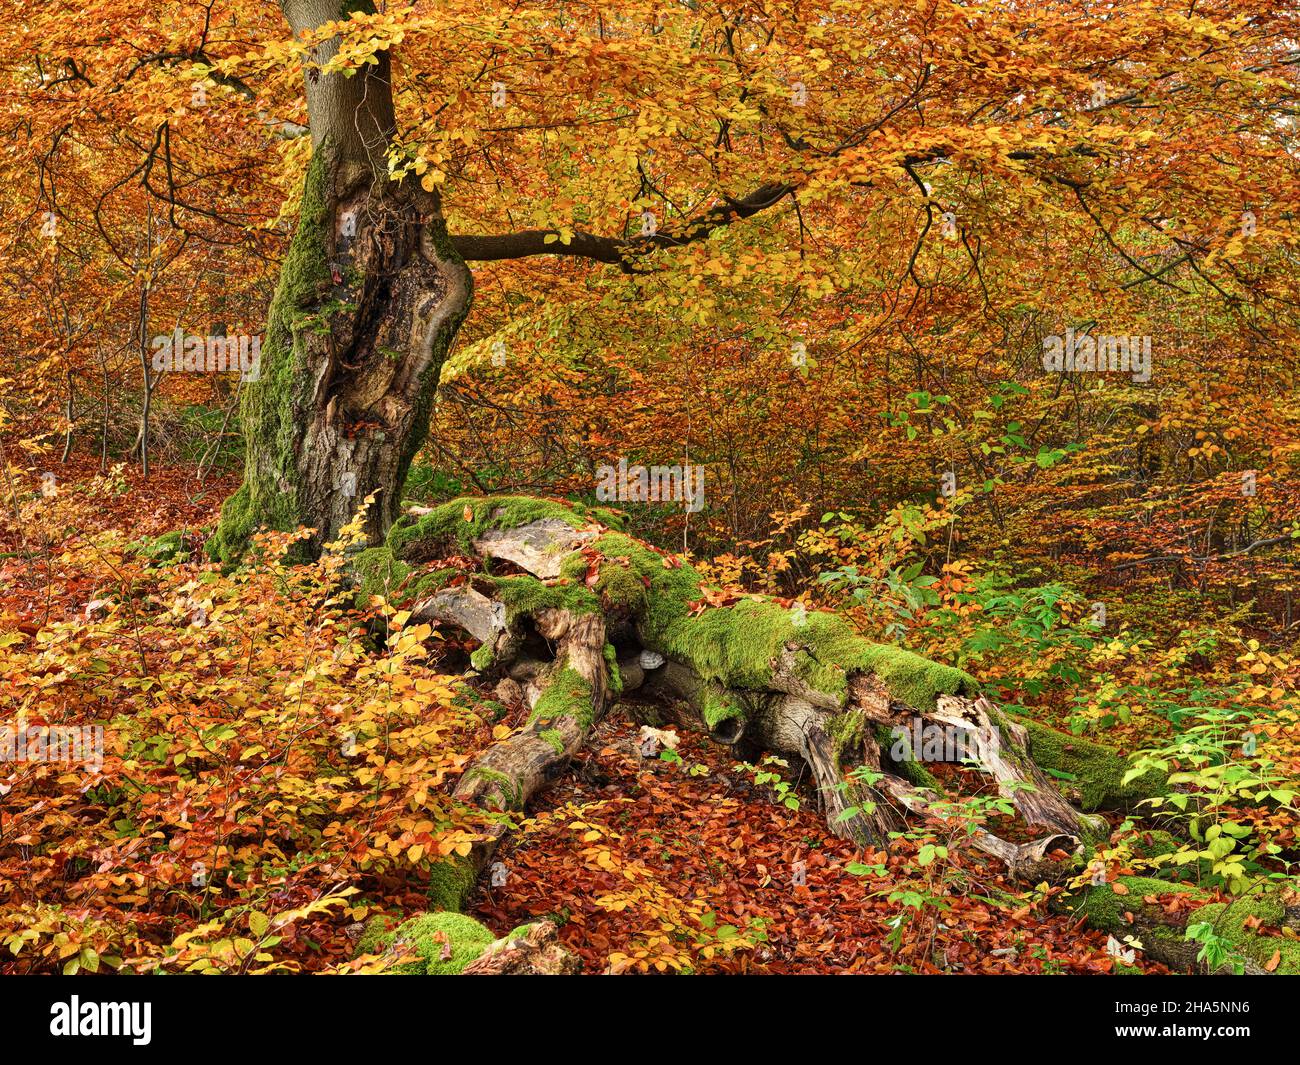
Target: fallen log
{"x": 585, "y": 612}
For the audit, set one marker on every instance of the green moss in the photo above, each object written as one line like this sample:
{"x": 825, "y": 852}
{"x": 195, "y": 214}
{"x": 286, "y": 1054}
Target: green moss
{"x": 509, "y": 793}
{"x": 553, "y": 737}
{"x": 450, "y": 883}
{"x": 272, "y": 407}
{"x": 912, "y": 768}
{"x": 374, "y": 931}
{"x": 1105, "y": 909}
{"x": 846, "y": 729}
{"x": 611, "y": 518}
{"x": 1229, "y": 920}
{"x": 431, "y": 935}
{"x": 910, "y": 679}
{"x": 482, "y": 657}
{"x": 567, "y": 695}
{"x": 737, "y": 645}
{"x": 621, "y": 588}
{"x": 1152, "y": 843}
{"x": 1097, "y": 771}
{"x": 718, "y": 706}
{"x": 523, "y": 595}
{"x": 446, "y": 523}
{"x": 375, "y": 572}
{"x": 612, "y": 671}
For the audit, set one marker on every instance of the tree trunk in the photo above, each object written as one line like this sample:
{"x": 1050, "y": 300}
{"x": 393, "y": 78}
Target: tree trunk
{"x": 370, "y": 298}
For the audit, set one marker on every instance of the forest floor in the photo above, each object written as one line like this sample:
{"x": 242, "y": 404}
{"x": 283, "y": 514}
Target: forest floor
{"x": 667, "y": 860}
{"x": 704, "y": 835}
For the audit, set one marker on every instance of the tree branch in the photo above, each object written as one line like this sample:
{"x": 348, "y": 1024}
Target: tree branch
{"x": 619, "y": 250}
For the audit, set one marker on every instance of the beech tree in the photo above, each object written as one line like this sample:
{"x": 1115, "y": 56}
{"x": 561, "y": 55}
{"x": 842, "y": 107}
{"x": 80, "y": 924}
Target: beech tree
{"x": 375, "y": 288}
{"x": 671, "y": 153}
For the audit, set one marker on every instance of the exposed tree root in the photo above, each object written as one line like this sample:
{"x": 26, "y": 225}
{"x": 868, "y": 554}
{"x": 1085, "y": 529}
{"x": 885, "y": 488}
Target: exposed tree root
{"x": 571, "y": 612}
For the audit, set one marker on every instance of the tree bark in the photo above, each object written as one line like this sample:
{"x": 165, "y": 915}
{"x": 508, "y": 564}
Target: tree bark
{"x": 370, "y": 298}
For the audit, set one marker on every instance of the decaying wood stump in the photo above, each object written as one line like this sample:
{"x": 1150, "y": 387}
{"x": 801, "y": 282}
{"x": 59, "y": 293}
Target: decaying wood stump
{"x": 570, "y": 613}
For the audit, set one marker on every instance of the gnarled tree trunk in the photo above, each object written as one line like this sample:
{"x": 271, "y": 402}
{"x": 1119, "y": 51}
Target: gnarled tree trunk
{"x": 370, "y": 298}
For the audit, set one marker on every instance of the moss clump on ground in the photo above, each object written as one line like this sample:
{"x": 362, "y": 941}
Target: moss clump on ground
{"x": 1105, "y": 908}
{"x": 450, "y": 883}
{"x": 1229, "y": 920}
{"x": 376, "y": 928}
{"x": 431, "y": 935}
{"x": 1097, "y": 771}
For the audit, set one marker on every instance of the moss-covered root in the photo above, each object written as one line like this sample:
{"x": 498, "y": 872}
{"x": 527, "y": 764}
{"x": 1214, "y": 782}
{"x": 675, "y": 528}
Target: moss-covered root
{"x": 1135, "y": 906}
{"x": 569, "y": 697}
{"x": 1088, "y": 773}
{"x": 783, "y": 676}
{"x": 450, "y": 883}
{"x": 738, "y": 646}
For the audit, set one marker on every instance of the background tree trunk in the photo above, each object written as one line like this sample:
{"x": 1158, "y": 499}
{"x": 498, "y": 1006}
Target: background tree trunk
{"x": 370, "y": 298}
